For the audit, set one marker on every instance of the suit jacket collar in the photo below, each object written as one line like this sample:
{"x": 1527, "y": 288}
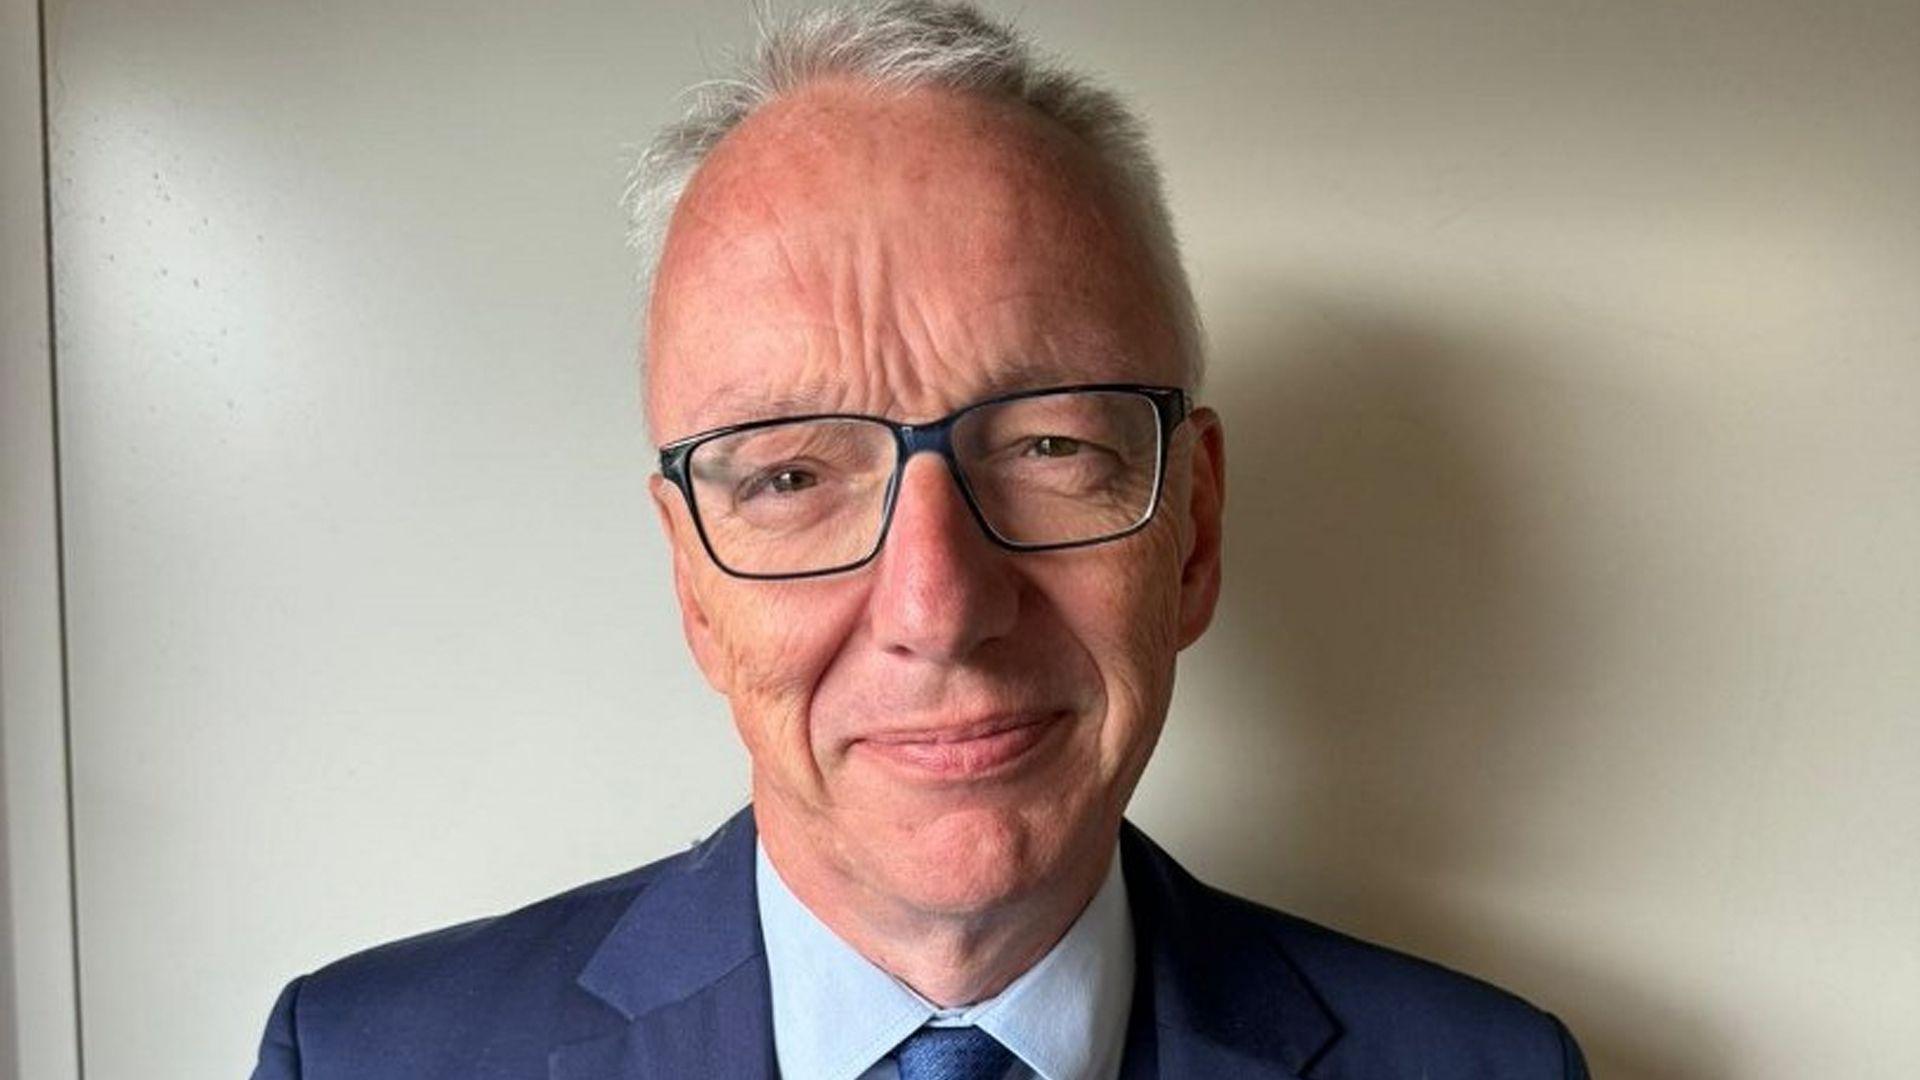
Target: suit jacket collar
{"x": 679, "y": 985}
{"x": 1224, "y": 998}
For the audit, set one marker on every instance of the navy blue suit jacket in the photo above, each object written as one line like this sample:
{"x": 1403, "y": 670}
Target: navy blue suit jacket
{"x": 660, "y": 973}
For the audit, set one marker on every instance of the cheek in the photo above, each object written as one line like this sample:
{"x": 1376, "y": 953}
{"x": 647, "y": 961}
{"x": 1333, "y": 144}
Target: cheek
{"x": 777, "y": 639}
{"x": 1125, "y": 610}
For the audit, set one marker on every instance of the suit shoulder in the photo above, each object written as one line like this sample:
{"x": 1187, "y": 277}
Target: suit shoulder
{"x": 536, "y": 950}
{"x": 1393, "y": 1007}
{"x": 1334, "y": 960}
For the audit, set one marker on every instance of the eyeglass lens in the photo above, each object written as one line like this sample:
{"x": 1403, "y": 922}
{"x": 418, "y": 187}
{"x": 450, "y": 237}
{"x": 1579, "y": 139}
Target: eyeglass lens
{"x": 811, "y": 495}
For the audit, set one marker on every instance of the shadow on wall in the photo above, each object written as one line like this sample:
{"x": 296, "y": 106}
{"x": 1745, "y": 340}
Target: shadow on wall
{"x": 1398, "y": 624}
{"x": 9, "y": 1036}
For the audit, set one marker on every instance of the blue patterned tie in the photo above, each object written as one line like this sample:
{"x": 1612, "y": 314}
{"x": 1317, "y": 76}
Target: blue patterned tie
{"x": 962, "y": 1053}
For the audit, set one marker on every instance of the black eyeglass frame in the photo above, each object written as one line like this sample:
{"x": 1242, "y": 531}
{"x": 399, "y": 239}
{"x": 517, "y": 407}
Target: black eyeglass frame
{"x": 1171, "y": 407}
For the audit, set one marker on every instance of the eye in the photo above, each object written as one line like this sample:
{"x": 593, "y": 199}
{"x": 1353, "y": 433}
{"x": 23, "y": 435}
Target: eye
{"x": 1054, "y": 446}
{"x": 777, "y": 480}
{"x": 787, "y": 481}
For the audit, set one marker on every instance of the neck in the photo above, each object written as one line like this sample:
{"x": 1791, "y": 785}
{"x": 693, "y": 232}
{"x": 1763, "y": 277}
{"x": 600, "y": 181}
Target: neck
{"x": 951, "y": 958}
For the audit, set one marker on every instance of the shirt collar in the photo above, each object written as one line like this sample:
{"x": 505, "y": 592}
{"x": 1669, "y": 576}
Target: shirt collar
{"x": 835, "y": 1013}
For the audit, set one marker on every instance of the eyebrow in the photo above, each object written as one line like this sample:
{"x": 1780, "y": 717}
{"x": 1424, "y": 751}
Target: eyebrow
{"x": 739, "y": 404}
{"x": 742, "y": 404}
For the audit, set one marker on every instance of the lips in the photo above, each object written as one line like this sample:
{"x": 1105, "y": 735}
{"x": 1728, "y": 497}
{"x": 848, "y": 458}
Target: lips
{"x": 972, "y": 751}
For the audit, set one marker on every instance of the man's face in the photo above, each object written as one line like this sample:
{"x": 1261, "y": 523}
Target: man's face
{"x": 951, "y": 727}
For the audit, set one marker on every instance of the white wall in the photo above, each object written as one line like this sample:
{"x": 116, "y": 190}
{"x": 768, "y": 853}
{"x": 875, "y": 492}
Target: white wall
{"x": 1568, "y": 359}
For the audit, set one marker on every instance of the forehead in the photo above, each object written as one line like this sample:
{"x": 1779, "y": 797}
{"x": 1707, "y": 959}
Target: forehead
{"x": 899, "y": 253}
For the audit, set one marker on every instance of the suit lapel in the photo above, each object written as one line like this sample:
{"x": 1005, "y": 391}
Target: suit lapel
{"x": 679, "y": 986}
{"x": 1216, "y": 996}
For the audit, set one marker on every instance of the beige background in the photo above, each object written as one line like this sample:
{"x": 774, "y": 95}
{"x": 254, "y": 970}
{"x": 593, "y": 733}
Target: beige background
{"x": 1570, "y": 360}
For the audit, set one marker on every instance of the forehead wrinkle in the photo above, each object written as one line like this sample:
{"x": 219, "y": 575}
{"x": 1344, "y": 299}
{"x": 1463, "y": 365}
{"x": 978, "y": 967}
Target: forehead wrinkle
{"x": 753, "y": 230}
{"x": 841, "y": 278}
{"x": 861, "y": 287}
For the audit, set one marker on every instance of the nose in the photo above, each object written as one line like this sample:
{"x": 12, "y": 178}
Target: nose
{"x": 941, "y": 589}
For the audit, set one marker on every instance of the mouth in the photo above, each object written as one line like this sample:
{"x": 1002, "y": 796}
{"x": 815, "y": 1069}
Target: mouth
{"x": 963, "y": 752}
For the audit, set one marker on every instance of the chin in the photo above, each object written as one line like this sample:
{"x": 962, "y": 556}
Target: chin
{"x": 973, "y": 859}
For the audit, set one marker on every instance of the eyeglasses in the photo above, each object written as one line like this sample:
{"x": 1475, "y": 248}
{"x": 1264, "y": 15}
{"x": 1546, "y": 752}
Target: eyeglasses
{"x": 1040, "y": 470}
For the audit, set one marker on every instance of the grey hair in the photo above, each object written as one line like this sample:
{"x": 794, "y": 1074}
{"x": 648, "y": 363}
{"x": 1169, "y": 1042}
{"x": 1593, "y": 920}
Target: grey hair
{"x": 901, "y": 45}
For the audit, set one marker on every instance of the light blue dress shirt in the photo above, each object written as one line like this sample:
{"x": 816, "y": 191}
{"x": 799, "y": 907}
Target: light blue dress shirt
{"x": 837, "y": 1016}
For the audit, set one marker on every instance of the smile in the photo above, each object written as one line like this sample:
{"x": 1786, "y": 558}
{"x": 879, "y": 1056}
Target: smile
{"x": 966, "y": 752}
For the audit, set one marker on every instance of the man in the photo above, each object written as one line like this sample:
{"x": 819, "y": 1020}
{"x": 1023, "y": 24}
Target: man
{"x": 942, "y": 514}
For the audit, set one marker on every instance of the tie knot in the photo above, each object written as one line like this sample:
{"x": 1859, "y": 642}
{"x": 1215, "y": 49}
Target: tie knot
{"x": 960, "y": 1053}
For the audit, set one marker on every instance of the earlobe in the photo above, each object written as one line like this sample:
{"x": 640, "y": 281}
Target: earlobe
{"x": 1206, "y": 505}
{"x": 693, "y": 615}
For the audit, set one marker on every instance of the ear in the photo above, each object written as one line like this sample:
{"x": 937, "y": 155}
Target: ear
{"x": 1206, "y": 502}
{"x": 681, "y": 538}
